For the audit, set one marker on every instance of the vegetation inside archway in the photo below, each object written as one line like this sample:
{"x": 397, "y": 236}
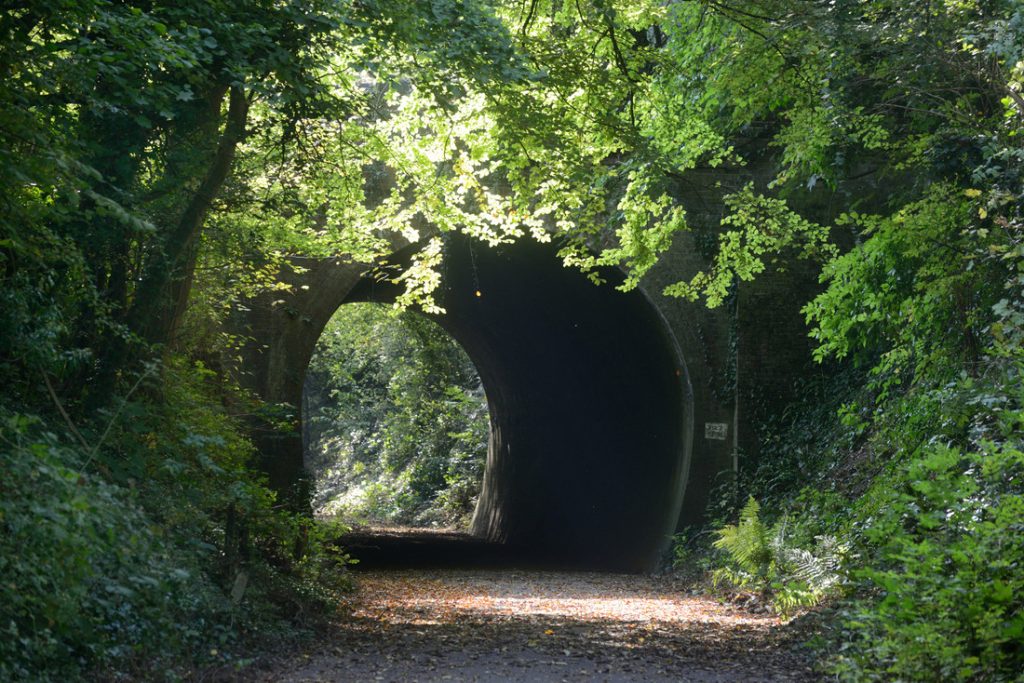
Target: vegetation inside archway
{"x": 395, "y": 421}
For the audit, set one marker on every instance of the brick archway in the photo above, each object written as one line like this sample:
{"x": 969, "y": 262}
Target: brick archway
{"x": 590, "y": 401}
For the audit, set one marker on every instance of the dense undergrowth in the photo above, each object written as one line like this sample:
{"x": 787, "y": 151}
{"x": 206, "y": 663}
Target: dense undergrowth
{"x": 925, "y": 509}
{"x": 915, "y": 460}
{"x": 144, "y": 545}
{"x": 396, "y": 422}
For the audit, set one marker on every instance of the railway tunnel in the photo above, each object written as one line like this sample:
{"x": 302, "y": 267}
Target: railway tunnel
{"x": 588, "y": 394}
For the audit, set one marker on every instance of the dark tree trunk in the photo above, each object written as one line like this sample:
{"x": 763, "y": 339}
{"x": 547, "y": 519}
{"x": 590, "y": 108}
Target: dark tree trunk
{"x": 162, "y": 295}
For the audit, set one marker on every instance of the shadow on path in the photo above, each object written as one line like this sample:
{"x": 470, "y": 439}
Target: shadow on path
{"x": 428, "y": 549}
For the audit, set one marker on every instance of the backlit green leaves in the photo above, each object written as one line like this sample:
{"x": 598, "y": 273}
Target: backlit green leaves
{"x": 906, "y": 291}
{"x": 761, "y": 228}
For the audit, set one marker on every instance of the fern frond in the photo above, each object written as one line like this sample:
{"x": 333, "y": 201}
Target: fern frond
{"x": 747, "y": 543}
{"x": 737, "y": 579}
{"x": 760, "y": 559}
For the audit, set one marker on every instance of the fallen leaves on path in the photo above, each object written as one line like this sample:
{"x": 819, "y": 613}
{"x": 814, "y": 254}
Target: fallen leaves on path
{"x": 491, "y": 625}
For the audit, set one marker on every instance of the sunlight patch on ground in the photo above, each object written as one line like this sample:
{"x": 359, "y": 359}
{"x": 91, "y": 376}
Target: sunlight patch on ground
{"x": 515, "y": 626}
{"x": 399, "y": 597}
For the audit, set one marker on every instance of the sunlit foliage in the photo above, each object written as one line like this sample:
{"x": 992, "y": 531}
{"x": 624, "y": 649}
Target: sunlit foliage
{"x": 396, "y": 421}
{"x": 160, "y": 160}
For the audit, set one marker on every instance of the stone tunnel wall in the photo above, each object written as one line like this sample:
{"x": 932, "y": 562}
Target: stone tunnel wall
{"x": 742, "y": 361}
{"x": 746, "y": 357}
{"x": 588, "y": 395}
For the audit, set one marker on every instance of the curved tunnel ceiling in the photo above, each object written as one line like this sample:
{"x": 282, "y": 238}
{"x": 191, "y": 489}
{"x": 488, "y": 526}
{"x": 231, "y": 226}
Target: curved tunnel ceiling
{"x": 589, "y": 399}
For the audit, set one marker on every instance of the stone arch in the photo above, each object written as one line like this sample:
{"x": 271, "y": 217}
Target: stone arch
{"x": 590, "y": 401}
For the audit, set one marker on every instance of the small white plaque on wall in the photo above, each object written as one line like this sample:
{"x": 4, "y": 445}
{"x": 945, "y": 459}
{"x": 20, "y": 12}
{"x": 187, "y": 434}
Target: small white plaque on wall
{"x": 716, "y": 430}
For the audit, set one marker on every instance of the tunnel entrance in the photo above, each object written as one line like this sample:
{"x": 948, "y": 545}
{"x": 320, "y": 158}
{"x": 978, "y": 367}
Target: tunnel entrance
{"x": 395, "y": 422}
{"x": 589, "y": 400}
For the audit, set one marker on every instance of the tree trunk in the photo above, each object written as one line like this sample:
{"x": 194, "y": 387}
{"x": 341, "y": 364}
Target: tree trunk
{"x": 162, "y": 296}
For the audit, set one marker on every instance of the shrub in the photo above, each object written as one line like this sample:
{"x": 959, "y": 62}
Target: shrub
{"x": 88, "y": 580}
{"x": 943, "y": 598}
{"x": 154, "y": 550}
{"x": 760, "y": 559}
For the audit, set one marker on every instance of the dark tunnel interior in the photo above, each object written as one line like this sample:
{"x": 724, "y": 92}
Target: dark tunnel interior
{"x": 589, "y": 400}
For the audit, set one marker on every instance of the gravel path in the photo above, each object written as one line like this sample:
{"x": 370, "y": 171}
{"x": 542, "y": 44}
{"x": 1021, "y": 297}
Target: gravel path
{"x": 511, "y": 625}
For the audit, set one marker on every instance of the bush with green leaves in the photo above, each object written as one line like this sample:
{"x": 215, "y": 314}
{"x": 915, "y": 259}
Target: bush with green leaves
{"x": 89, "y": 580}
{"x": 939, "y": 583}
{"x": 143, "y": 543}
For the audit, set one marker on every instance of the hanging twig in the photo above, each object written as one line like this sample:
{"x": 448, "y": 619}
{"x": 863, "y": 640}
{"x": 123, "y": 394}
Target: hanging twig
{"x": 1017, "y": 99}
{"x": 67, "y": 418}
{"x": 620, "y": 59}
{"x": 110, "y": 425}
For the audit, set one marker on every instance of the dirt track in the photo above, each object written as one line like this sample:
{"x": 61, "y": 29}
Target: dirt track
{"x": 516, "y": 625}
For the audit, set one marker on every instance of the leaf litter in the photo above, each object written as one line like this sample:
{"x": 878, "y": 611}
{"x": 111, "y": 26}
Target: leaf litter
{"x": 484, "y": 625}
